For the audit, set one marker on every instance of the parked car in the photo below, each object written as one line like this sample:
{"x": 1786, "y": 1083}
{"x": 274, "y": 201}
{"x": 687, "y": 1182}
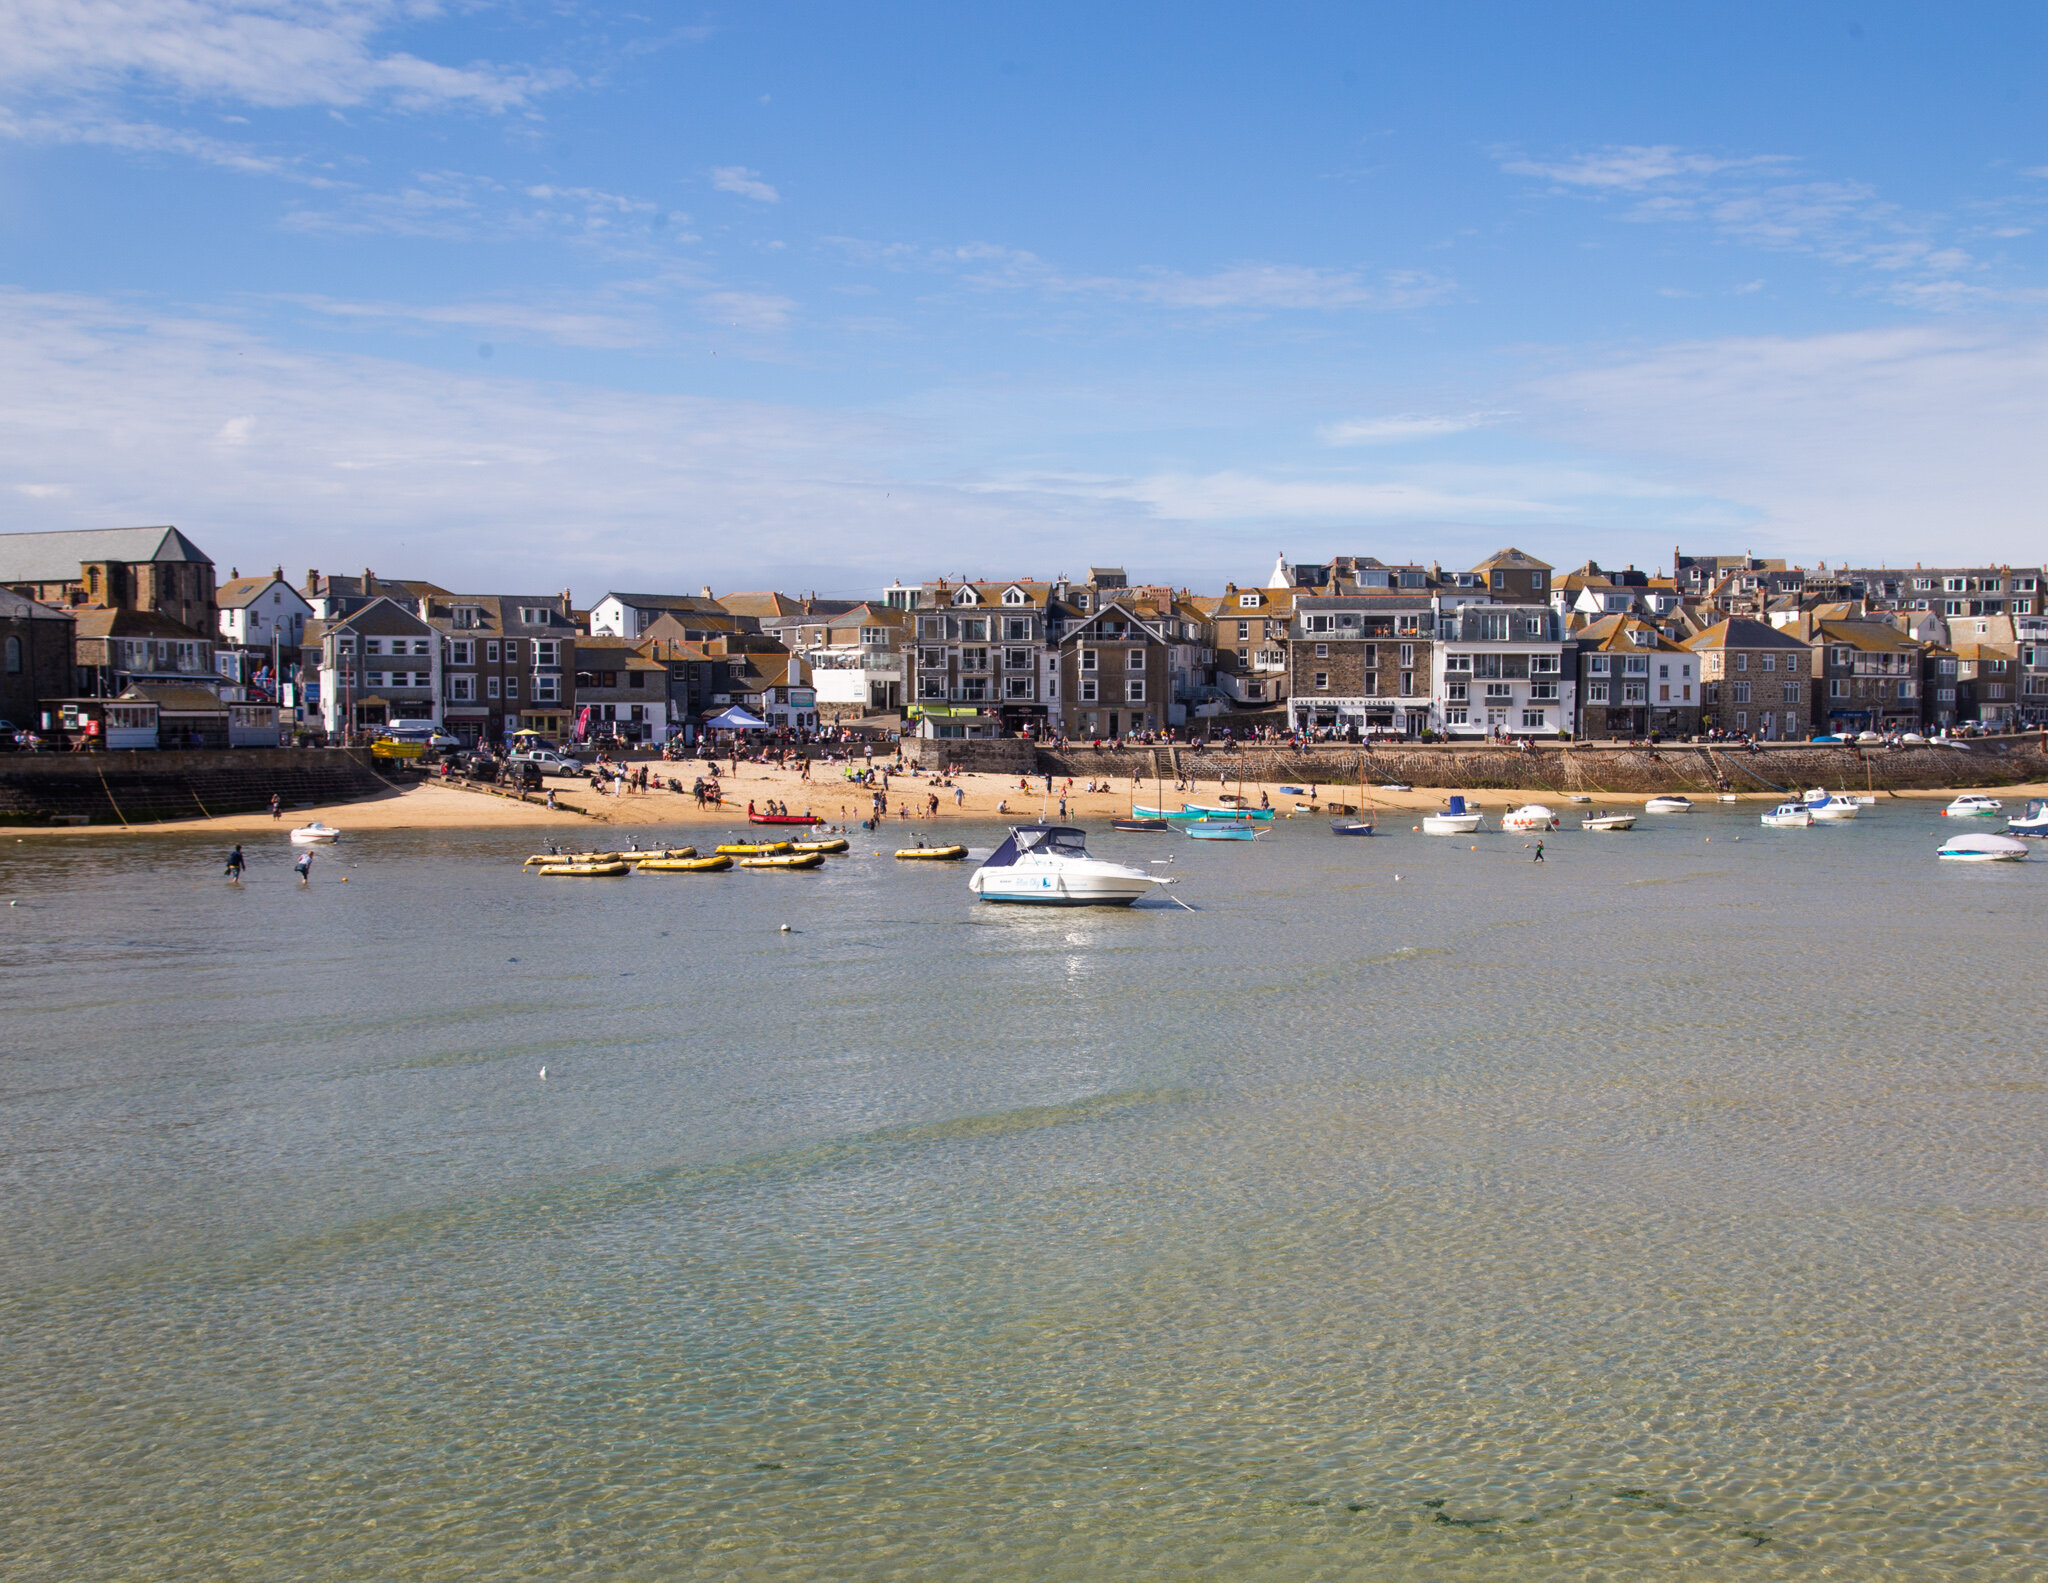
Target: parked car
{"x": 549, "y": 761}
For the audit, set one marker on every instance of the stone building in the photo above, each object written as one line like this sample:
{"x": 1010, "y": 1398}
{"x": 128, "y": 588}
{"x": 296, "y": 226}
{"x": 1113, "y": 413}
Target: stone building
{"x": 1754, "y": 679}
{"x": 36, "y": 659}
{"x": 1362, "y": 662}
{"x": 155, "y": 570}
{"x": 1634, "y": 680}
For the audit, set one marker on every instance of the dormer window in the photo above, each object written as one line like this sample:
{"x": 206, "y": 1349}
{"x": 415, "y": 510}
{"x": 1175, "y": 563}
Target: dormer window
{"x": 1248, "y": 601}
{"x": 1080, "y": 601}
{"x": 1016, "y": 596}
{"x": 966, "y": 596}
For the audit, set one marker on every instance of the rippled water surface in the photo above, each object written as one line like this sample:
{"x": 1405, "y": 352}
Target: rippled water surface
{"x": 1674, "y": 1207}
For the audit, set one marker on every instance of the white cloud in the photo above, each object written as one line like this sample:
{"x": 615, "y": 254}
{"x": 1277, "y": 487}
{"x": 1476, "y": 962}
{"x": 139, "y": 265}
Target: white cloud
{"x": 747, "y": 183}
{"x": 1630, "y": 167}
{"x": 41, "y": 491}
{"x": 746, "y": 310}
{"x": 1906, "y": 443}
{"x": 508, "y": 320}
{"x": 1404, "y": 426}
{"x": 236, "y": 431}
{"x": 272, "y": 53}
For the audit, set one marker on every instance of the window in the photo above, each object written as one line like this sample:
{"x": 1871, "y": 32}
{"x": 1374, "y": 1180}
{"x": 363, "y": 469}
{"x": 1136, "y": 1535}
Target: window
{"x": 931, "y": 687}
{"x": 1457, "y": 717}
{"x": 491, "y": 686}
{"x": 1540, "y": 665}
{"x": 1770, "y": 662}
{"x": 1838, "y": 688}
{"x": 535, "y": 615}
{"x": 974, "y": 659}
{"x": 1407, "y": 654}
{"x": 1017, "y": 687}
{"x": 1742, "y": 662}
{"x": 1597, "y": 665}
{"x": 1458, "y": 692}
{"x": 546, "y": 651}
{"x": 1790, "y": 693}
{"x": 1015, "y": 596}
{"x": 1500, "y": 579}
{"x": 1137, "y": 691}
{"x": 1499, "y": 692}
{"x": 1536, "y": 581}
{"x": 1663, "y": 671}
{"x": 1596, "y": 692}
{"x": 1088, "y": 690}
{"x": 1322, "y": 681}
{"x": 1905, "y": 691}
{"x": 491, "y": 651}
{"x": 1741, "y": 692}
{"x": 1244, "y": 602}
{"x": 1954, "y": 585}
{"x": 1080, "y": 601}
{"x": 2023, "y": 607}
{"x": 373, "y": 645}
{"x": 462, "y": 651}
{"x": 1635, "y": 692}
{"x": 462, "y": 689}
{"x": 1635, "y": 665}
{"x": 1322, "y": 651}
{"x": 1016, "y": 659}
{"x": 1952, "y": 607}
{"x": 512, "y": 687}
{"x": 1457, "y": 662}
{"x": 1088, "y": 659}
{"x": 974, "y": 630}
{"x": 1543, "y": 690}
{"x": 420, "y": 645}
{"x": 1137, "y": 659}
{"x": 14, "y": 656}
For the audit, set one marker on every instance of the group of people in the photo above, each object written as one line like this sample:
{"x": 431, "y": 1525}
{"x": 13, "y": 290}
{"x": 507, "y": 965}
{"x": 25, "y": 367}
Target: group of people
{"x": 238, "y": 865}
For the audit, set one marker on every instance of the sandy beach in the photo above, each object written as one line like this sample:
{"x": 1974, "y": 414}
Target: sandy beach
{"x": 981, "y": 797}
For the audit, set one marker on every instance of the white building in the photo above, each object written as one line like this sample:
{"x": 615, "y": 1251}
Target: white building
{"x": 628, "y": 615}
{"x": 256, "y": 610}
{"x": 1501, "y": 669}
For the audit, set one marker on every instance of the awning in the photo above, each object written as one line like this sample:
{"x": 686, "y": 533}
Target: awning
{"x": 943, "y": 712}
{"x": 735, "y": 719}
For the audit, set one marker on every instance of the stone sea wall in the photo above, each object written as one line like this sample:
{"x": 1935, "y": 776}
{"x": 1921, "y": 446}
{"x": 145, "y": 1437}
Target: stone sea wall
{"x": 148, "y": 788}
{"x": 1580, "y": 767}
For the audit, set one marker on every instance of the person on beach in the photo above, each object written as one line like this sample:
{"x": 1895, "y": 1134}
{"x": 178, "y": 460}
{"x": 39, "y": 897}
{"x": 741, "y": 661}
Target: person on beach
{"x": 304, "y": 868}
{"x": 235, "y": 865}
{"x": 1538, "y": 858}
{"x": 276, "y": 807}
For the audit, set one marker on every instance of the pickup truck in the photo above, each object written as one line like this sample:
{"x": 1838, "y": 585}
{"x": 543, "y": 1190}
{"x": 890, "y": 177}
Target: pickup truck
{"x": 548, "y": 761}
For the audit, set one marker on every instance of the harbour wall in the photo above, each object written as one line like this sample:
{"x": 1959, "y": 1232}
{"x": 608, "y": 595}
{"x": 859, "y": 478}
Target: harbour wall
{"x": 149, "y": 788}
{"x": 1577, "y": 767}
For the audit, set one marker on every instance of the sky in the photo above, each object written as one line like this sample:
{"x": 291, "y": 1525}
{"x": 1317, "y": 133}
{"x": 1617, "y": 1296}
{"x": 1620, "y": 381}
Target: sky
{"x": 566, "y": 295}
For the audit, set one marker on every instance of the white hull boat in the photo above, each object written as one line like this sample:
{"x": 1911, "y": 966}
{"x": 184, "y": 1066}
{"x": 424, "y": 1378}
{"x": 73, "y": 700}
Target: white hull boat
{"x": 1454, "y": 820}
{"x": 1789, "y": 816}
{"x": 1822, "y": 806}
{"x": 2034, "y": 822}
{"x": 1529, "y": 817}
{"x": 315, "y": 834}
{"x": 1049, "y": 866}
{"x": 1983, "y": 849}
{"x": 1973, "y": 805}
{"x": 1668, "y": 805}
{"x": 1608, "y": 821}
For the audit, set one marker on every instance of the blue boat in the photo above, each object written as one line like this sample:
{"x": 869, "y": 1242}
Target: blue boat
{"x": 1140, "y": 811}
{"x": 1221, "y": 830}
{"x": 1350, "y": 827}
{"x": 1203, "y": 811}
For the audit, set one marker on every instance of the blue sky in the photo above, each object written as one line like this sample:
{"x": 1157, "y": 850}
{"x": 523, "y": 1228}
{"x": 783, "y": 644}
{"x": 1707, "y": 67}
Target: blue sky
{"x": 532, "y": 295}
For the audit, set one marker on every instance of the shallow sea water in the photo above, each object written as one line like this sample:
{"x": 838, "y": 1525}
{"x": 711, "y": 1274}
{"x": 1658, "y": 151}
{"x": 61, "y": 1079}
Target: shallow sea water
{"x": 1673, "y": 1208}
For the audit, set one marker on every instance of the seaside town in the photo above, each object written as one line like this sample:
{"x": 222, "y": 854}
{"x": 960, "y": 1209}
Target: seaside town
{"x": 132, "y": 638}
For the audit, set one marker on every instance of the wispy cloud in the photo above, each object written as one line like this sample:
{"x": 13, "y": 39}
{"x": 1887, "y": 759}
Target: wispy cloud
{"x": 747, "y": 310}
{"x": 506, "y": 320}
{"x": 453, "y": 205}
{"x": 1404, "y": 426}
{"x": 747, "y": 183}
{"x": 272, "y": 53}
{"x": 1754, "y": 201}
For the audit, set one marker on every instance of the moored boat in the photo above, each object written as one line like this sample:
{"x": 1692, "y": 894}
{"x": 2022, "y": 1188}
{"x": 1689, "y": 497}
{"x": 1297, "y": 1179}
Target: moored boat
{"x": 1530, "y": 816}
{"x": 834, "y": 844}
{"x": 2034, "y": 822}
{"x": 684, "y": 865}
{"x": 1454, "y": 820}
{"x": 1143, "y": 826}
{"x": 575, "y": 857}
{"x": 1973, "y": 805}
{"x": 792, "y": 860}
{"x": 784, "y": 818}
{"x": 932, "y": 854}
{"x": 1789, "y": 816}
{"x": 1049, "y": 866}
{"x": 610, "y": 870}
{"x": 315, "y": 834}
{"x": 1668, "y": 805}
{"x": 1210, "y": 811}
{"x": 754, "y": 848}
{"x": 1221, "y": 830}
{"x": 1350, "y": 827}
{"x": 1983, "y": 849}
{"x": 1823, "y": 806}
{"x": 1608, "y": 821}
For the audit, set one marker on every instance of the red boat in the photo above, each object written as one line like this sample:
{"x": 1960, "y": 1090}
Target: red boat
{"x": 782, "y": 818}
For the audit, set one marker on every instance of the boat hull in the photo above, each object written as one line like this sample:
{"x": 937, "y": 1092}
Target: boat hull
{"x": 1667, "y": 805}
{"x": 1450, "y": 823}
{"x": 1204, "y": 811}
{"x": 1340, "y": 827}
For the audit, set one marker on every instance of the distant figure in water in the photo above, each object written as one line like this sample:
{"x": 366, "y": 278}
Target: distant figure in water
{"x": 235, "y": 864}
{"x": 304, "y": 867}
{"x": 1538, "y": 858}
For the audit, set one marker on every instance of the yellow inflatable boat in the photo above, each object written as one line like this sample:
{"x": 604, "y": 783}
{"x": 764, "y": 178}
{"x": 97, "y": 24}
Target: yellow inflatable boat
{"x": 818, "y": 846}
{"x": 786, "y": 860}
{"x": 684, "y": 865}
{"x": 932, "y": 854}
{"x": 754, "y": 849}
{"x": 581, "y": 870}
{"x": 574, "y": 857}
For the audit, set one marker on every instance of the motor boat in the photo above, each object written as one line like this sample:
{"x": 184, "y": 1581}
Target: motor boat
{"x": 1049, "y": 865}
{"x": 1973, "y": 805}
{"x": 1220, "y": 829}
{"x": 1982, "y": 849}
{"x": 1454, "y": 820}
{"x": 1668, "y": 805}
{"x": 1608, "y": 821}
{"x": 315, "y": 834}
{"x": 1789, "y": 816}
{"x": 1577, "y": 797}
{"x": 1528, "y": 817}
{"x": 1396, "y": 786}
{"x": 2033, "y": 822}
{"x": 1823, "y": 806}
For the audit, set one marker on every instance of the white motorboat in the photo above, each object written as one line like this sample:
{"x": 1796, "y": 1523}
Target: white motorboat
{"x": 1530, "y": 816}
{"x": 1049, "y": 865}
{"x": 315, "y": 834}
{"x": 1973, "y": 805}
{"x": 1668, "y": 805}
{"x": 1397, "y": 786}
{"x": 1823, "y": 806}
{"x": 2033, "y": 822}
{"x": 1789, "y": 816}
{"x": 1608, "y": 821}
{"x": 1454, "y": 820}
{"x": 1982, "y": 849}
{"x": 1577, "y": 797}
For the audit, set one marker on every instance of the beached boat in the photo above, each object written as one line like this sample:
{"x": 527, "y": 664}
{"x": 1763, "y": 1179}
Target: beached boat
{"x": 1577, "y": 797}
{"x": 1396, "y": 786}
{"x": 1789, "y": 816}
{"x": 1668, "y": 805}
{"x": 2034, "y": 822}
{"x": 1454, "y": 820}
{"x": 754, "y": 848}
{"x": 315, "y": 834}
{"x": 835, "y": 844}
{"x": 1823, "y": 806}
{"x": 794, "y": 860}
{"x": 1221, "y": 830}
{"x": 1210, "y": 811}
{"x": 610, "y": 870}
{"x": 1971, "y": 805}
{"x": 1608, "y": 821}
{"x": 932, "y": 854}
{"x": 784, "y": 818}
{"x": 1983, "y": 849}
{"x": 684, "y": 865}
{"x": 1049, "y": 866}
{"x": 1528, "y": 817}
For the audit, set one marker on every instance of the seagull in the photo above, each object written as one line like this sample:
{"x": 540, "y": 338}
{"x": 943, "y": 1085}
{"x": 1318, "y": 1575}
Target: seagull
{"x": 543, "y": 1074}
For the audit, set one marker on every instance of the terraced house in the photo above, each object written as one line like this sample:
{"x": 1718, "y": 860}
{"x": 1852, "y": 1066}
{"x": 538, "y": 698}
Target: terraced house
{"x": 379, "y": 664}
{"x": 1500, "y": 672}
{"x": 985, "y": 663}
{"x": 1755, "y": 679}
{"x": 1115, "y": 669}
{"x": 1634, "y": 680}
{"x": 510, "y": 663}
{"x": 1362, "y": 662}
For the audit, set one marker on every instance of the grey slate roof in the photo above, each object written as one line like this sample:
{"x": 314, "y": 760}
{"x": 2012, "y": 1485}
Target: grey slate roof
{"x": 52, "y": 557}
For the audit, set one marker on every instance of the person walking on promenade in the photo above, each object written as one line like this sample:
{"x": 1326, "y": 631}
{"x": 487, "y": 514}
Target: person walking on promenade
{"x": 1538, "y": 858}
{"x": 235, "y": 865}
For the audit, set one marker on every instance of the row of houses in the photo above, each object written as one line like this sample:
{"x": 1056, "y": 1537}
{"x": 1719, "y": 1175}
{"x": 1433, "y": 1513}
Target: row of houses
{"x": 134, "y": 617}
